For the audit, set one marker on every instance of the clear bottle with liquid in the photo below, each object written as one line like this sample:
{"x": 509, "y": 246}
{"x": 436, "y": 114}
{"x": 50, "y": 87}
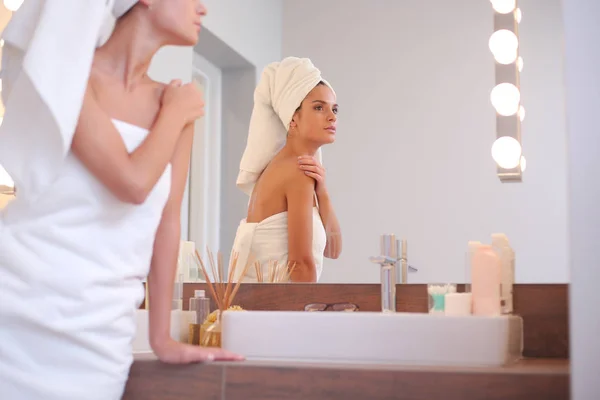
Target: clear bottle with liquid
{"x": 200, "y": 304}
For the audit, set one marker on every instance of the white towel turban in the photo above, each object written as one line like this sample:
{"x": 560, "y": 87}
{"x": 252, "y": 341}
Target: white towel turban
{"x": 47, "y": 57}
{"x": 282, "y": 87}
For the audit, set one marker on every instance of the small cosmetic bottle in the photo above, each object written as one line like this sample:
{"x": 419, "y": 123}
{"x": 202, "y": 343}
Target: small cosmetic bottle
{"x": 486, "y": 282}
{"x": 200, "y": 304}
{"x": 507, "y": 261}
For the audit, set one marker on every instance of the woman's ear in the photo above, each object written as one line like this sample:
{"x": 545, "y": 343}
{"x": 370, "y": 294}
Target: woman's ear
{"x": 147, "y": 3}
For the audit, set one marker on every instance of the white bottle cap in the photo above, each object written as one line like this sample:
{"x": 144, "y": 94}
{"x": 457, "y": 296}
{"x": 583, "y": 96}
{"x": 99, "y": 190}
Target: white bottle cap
{"x": 199, "y": 293}
{"x": 501, "y": 237}
{"x": 473, "y": 245}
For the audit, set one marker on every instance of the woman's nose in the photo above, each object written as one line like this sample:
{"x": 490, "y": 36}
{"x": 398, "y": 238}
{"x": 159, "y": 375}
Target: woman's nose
{"x": 201, "y": 8}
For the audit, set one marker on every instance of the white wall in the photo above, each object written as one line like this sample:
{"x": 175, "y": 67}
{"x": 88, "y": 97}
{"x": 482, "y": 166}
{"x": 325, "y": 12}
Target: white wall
{"x": 583, "y": 102}
{"x": 238, "y": 88}
{"x": 251, "y": 28}
{"x": 412, "y": 154}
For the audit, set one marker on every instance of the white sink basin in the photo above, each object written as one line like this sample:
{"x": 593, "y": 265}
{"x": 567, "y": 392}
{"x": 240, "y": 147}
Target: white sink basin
{"x": 369, "y": 337}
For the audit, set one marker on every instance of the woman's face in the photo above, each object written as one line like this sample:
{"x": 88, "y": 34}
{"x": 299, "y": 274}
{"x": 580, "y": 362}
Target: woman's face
{"x": 178, "y": 20}
{"x": 316, "y": 119}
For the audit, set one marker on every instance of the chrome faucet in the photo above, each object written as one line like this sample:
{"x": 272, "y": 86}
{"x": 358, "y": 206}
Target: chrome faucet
{"x": 405, "y": 268}
{"x": 393, "y": 255}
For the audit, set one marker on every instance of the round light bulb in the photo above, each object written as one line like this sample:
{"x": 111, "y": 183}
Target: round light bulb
{"x": 12, "y": 5}
{"x": 504, "y": 6}
{"x": 506, "y": 151}
{"x": 520, "y": 63}
{"x": 521, "y": 113}
{"x": 523, "y": 163}
{"x": 505, "y": 98}
{"x": 503, "y": 45}
{"x": 518, "y": 15}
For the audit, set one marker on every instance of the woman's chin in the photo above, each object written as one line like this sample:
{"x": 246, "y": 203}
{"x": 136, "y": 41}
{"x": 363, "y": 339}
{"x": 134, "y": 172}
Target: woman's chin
{"x": 330, "y": 138}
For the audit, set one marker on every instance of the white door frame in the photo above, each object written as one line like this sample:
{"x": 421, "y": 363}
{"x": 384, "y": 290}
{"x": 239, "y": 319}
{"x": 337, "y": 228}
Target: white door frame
{"x": 205, "y": 171}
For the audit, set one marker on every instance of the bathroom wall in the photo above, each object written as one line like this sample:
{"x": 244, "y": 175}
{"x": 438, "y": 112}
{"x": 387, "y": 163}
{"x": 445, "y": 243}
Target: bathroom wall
{"x": 583, "y": 101}
{"x": 412, "y": 154}
{"x": 251, "y": 28}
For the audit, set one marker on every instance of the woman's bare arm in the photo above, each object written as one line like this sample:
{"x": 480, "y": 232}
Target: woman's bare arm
{"x": 313, "y": 168}
{"x": 299, "y": 195}
{"x": 166, "y": 245}
{"x": 99, "y": 146}
{"x": 333, "y": 248}
{"x": 164, "y": 265}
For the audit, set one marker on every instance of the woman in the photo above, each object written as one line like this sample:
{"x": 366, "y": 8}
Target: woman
{"x": 291, "y": 223}
{"x": 100, "y": 154}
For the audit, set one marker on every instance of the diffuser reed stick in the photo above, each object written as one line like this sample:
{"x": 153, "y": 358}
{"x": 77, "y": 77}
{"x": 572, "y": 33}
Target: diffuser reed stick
{"x": 276, "y": 273}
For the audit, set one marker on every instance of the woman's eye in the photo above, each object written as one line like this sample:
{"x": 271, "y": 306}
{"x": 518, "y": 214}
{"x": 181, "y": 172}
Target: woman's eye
{"x": 318, "y": 108}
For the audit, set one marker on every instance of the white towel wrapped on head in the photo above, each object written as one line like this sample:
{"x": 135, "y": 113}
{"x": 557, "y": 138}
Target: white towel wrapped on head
{"x": 282, "y": 87}
{"x": 46, "y": 62}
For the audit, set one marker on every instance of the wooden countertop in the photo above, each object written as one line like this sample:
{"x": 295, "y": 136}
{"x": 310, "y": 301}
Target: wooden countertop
{"x": 538, "y": 379}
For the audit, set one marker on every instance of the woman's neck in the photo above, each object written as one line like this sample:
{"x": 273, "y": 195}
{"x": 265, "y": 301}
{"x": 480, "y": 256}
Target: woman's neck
{"x": 297, "y": 147}
{"x": 129, "y": 50}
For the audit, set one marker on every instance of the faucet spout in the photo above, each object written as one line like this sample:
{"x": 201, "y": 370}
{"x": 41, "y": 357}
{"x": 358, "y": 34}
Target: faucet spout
{"x": 393, "y": 256}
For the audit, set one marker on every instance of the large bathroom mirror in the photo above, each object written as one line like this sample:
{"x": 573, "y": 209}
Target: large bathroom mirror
{"x": 412, "y": 154}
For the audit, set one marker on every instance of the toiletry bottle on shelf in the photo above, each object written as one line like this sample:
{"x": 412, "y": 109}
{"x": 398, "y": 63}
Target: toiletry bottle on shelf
{"x": 507, "y": 261}
{"x": 200, "y": 305}
{"x": 471, "y": 248}
{"x": 485, "y": 281}
{"x": 187, "y": 265}
{"x": 177, "y": 301}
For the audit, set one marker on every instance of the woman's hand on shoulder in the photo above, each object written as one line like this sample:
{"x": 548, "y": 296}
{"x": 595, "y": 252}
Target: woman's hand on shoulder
{"x": 313, "y": 168}
{"x": 184, "y": 100}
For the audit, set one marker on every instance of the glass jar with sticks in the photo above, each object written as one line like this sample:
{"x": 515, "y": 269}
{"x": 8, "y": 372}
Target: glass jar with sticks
{"x": 224, "y": 292}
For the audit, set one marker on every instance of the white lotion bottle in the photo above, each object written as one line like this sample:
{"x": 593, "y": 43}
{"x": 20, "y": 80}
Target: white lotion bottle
{"x": 472, "y": 247}
{"x": 501, "y": 244}
{"x": 485, "y": 282}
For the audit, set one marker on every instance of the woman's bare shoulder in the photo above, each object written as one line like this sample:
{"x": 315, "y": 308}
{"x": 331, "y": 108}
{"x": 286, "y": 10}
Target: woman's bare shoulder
{"x": 292, "y": 176}
{"x": 283, "y": 173}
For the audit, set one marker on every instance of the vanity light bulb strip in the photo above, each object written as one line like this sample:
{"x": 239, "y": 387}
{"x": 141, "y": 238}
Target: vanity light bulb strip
{"x": 505, "y": 97}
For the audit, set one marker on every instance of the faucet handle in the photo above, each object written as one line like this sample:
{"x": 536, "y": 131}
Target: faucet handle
{"x": 383, "y": 260}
